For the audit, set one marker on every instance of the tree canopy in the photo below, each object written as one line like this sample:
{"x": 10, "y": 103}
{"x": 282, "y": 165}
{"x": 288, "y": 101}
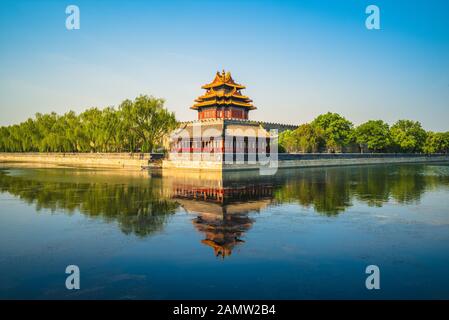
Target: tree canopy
{"x": 336, "y": 129}
{"x": 374, "y": 134}
{"x": 138, "y": 125}
{"x": 436, "y": 142}
{"x": 306, "y": 138}
{"x": 337, "y": 134}
{"x": 408, "y": 135}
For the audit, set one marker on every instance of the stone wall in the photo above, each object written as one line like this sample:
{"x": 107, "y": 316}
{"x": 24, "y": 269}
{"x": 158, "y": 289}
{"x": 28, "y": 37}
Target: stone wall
{"x": 310, "y": 160}
{"x": 360, "y": 160}
{"x": 137, "y": 160}
{"x": 112, "y": 160}
{"x": 337, "y": 156}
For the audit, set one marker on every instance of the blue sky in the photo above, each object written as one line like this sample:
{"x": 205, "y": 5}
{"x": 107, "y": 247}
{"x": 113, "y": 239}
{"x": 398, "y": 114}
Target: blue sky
{"x": 297, "y": 58}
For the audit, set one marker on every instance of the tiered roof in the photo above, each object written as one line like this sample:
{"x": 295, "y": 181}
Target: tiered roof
{"x": 223, "y": 91}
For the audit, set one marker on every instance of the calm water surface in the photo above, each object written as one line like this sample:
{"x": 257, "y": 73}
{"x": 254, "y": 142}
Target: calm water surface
{"x": 304, "y": 233}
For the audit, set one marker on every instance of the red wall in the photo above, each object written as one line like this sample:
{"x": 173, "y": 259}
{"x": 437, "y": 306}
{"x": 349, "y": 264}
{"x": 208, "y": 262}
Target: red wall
{"x": 228, "y": 113}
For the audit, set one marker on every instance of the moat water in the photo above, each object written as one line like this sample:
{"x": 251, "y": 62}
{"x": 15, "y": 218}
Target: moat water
{"x": 302, "y": 234}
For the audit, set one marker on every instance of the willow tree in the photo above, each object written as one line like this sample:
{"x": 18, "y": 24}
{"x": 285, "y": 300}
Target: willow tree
{"x": 147, "y": 118}
{"x": 137, "y": 125}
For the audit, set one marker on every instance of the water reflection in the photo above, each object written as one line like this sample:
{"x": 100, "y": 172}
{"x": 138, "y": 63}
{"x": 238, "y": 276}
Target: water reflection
{"x": 331, "y": 191}
{"x": 222, "y": 205}
{"x": 135, "y": 204}
{"x": 222, "y": 232}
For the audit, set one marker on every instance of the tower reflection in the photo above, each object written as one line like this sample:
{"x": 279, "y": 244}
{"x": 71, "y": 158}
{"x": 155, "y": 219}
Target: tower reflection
{"x": 221, "y": 203}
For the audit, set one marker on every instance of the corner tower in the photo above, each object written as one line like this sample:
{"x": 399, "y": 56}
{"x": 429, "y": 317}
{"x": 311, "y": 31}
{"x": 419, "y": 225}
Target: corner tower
{"x": 223, "y": 99}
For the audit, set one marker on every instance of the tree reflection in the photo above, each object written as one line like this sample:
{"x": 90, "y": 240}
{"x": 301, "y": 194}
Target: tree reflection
{"x": 325, "y": 190}
{"x": 332, "y": 190}
{"x": 137, "y": 208}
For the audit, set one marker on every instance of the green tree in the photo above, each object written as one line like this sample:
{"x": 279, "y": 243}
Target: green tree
{"x": 309, "y": 138}
{"x": 147, "y": 118}
{"x": 109, "y": 124}
{"x": 408, "y": 136}
{"x": 136, "y": 125}
{"x": 92, "y": 129}
{"x": 46, "y": 138}
{"x": 287, "y": 141}
{"x": 305, "y": 138}
{"x": 436, "y": 142}
{"x": 4, "y": 139}
{"x": 446, "y": 142}
{"x": 374, "y": 134}
{"x": 336, "y": 130}
{"x": 73, "y": 132}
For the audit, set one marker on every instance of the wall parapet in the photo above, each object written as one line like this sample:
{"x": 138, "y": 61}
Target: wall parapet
{"x": 113, "y": 160}
{"x": 322, "y": 156}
